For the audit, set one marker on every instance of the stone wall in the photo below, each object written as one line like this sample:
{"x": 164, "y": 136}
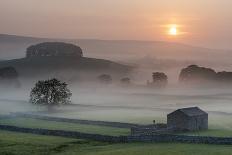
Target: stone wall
{"x": 62, "y": 133}
{"x": 79, "y": 121}
{"x": 149, "y": 129}
{"x": 123, "y": 139}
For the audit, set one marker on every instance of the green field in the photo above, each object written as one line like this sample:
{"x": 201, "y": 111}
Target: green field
{"x": 43, "y": 124}
{"x": 12, "y": 143}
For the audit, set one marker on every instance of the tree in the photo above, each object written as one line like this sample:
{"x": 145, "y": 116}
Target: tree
{"x": 50, "y": 92}
{"x": 105, "y": 78}
{"x": 160, "y": 80}
{"x": 9, "y": 77}
{"x": 196, "y": 74}
{"x": 8, "y": 73}
{"x": 125, "y": 81}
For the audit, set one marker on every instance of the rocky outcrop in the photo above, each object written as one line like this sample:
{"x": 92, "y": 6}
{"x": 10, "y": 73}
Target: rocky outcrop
{"x": 54, "y": 49}
{"x": 53, "y": 59}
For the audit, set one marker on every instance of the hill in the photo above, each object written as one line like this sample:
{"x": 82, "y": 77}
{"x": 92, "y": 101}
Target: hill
{"x": 61, "y": 59}
{"x": 48, "y": 66}
{"x": 12, "y": 46}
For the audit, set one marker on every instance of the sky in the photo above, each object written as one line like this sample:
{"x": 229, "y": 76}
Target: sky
{"x": 206, "y": 23}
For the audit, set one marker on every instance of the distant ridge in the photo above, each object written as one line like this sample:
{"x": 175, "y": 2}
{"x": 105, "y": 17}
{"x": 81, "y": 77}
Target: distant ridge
{"x": 13, "y": 46}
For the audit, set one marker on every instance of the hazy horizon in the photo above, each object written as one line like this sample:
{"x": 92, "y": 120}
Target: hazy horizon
{"x": 200, "y": 23}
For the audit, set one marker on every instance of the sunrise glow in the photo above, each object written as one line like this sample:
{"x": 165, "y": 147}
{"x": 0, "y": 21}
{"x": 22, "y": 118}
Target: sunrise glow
{"x": 173, "y": 31}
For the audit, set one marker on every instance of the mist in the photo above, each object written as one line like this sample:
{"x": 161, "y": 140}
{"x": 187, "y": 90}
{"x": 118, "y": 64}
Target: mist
{"x": 135, "y": 103}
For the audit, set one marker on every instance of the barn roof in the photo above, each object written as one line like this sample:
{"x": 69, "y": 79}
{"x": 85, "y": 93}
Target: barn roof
{"x": 191, "y": 111}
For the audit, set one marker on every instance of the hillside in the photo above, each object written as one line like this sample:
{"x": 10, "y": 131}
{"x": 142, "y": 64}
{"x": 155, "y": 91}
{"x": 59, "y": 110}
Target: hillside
{"x": 34, "y": 67}
{"x": 120, "y": 50}
{"x": 51, "y": 59}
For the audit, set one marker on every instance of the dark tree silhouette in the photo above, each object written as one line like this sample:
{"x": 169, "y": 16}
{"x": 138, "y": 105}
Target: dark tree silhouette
{"x": 125, "y": 81}
{"x": 105, "y": 78}
{"x": 8, "y": 73}
{"x": 160, "y": 80}
{"x": 196, "y": 74}
{"x": 50, "y": 92}
{"x": 9, "y": 77}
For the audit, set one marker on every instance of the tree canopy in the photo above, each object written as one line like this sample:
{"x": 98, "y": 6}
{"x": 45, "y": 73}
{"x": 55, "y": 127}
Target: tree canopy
{"x": 105, "y": 78}
{"x": 50, "y": 92}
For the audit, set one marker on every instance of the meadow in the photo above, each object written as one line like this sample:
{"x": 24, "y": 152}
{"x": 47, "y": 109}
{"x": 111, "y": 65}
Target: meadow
{"x": 115, "y": 105}
{"x": 43, "y": 124}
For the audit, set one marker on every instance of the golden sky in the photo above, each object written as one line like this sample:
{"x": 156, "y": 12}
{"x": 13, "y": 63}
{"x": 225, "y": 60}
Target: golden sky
{"x": 199, "y": 22}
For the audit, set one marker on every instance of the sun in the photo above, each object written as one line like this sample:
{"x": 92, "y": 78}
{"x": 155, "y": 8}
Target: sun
{"x": 173, "y": 31}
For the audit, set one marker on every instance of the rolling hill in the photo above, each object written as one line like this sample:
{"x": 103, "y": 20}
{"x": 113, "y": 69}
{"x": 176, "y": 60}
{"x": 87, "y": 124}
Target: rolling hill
{"x": 147, "y": 55}
{"x": 61, "y": 59}
{"x": 12, "y": 46}
{"x": 32, "y": 67}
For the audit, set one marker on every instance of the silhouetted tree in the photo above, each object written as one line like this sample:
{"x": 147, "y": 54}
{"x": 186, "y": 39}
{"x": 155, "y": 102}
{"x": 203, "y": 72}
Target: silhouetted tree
{"x": 50, "y": 92}
{"x": 9, "y": 77}
{"x": 8, "y": 73}
{"x": 105, "y": 78}
{"x": 160, "y": 80}
{"x": 196, "y": 74}
{"x": 125, "y": 81}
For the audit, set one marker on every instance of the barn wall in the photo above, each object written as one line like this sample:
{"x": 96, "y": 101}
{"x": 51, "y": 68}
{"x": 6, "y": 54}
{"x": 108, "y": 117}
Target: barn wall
{"x": 177, "y": 120}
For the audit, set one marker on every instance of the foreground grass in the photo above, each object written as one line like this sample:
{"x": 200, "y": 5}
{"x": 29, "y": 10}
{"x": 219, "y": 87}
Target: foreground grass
{"x": 43, "y": 124}
{"x": 12, "y": 143}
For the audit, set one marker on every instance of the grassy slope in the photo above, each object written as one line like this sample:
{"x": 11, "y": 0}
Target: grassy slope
{"x": 46, "y": 65}
{"x": 35, "y": 123}
{"x": 26, "y": 144}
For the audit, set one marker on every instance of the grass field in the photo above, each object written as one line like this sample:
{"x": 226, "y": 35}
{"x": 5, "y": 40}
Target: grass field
{"x": 12, "y": 143}
{"x": 43, "y": 124}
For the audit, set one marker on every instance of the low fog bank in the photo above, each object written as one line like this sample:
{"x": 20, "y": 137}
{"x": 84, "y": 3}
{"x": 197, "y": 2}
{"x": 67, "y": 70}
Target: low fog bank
{"x": 115, "y": 102}
{"x": 127, "y": 104}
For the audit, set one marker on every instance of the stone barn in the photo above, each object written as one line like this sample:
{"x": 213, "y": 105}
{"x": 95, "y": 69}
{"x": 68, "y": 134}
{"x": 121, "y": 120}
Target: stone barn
{"x": 187, "y": 119}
